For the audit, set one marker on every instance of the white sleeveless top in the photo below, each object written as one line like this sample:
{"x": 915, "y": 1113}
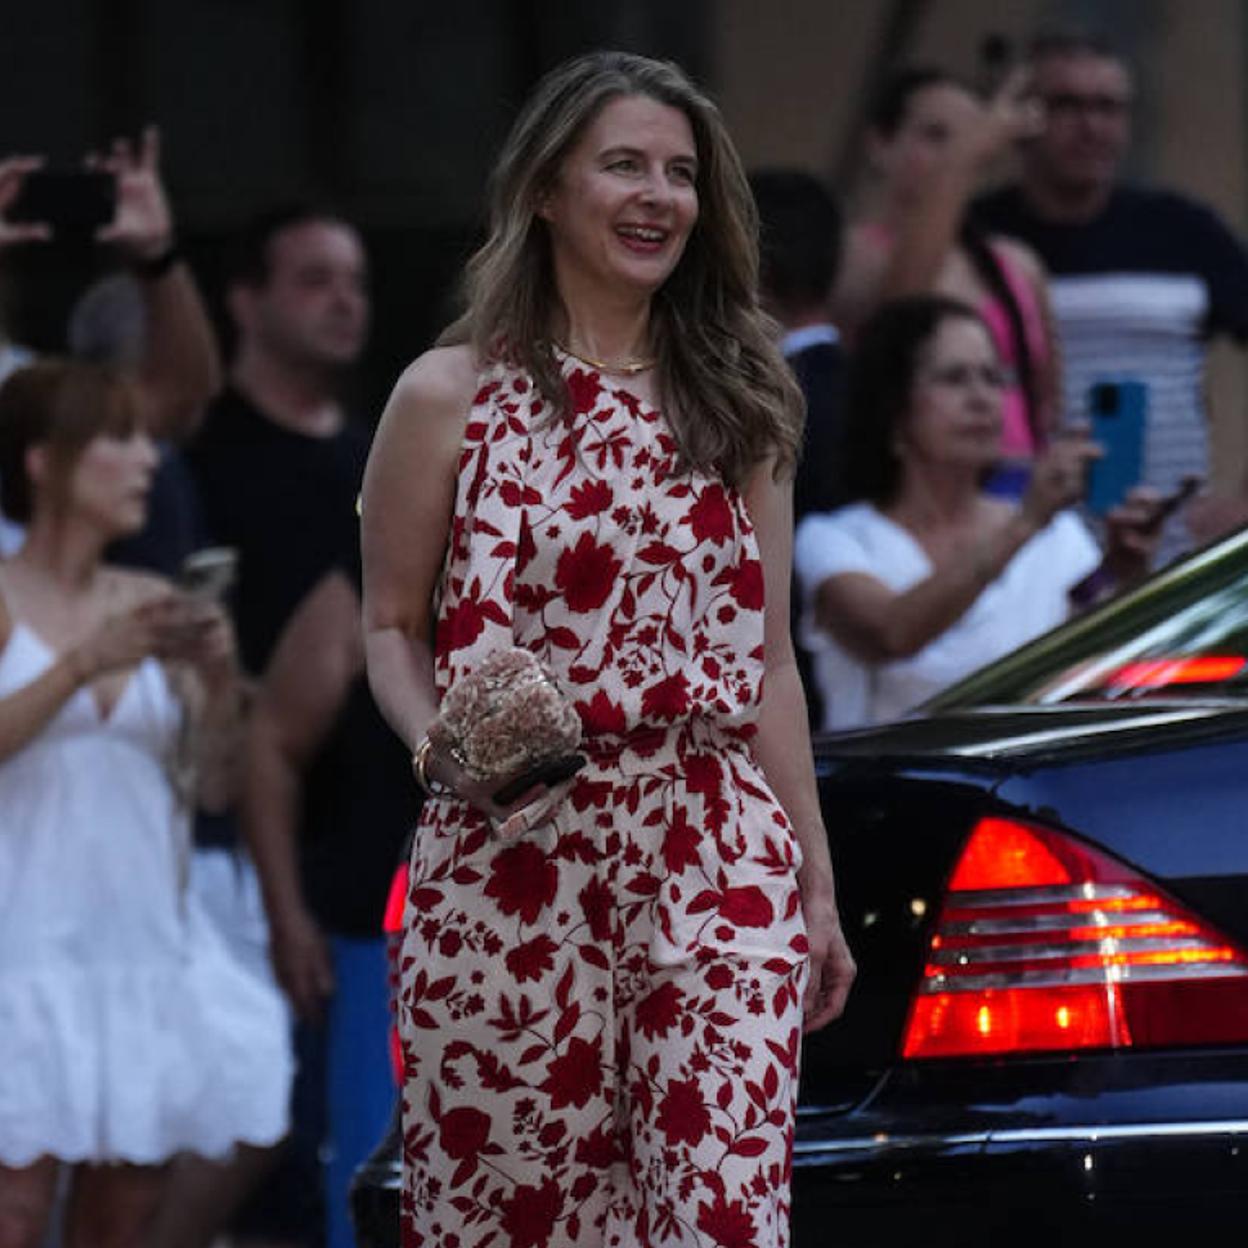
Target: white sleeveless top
{"x": 127, "y": 1031}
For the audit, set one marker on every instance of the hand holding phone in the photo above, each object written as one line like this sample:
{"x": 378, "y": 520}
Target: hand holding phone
{"x": 1118, "y": 411}
{"x": 550, "y": 773}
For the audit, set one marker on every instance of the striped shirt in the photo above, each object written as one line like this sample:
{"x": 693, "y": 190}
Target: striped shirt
{"x": 1137, "y": 293}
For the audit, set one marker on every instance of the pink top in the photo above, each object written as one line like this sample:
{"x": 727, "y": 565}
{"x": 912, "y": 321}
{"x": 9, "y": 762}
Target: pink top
{"x": 1017, "y": 439}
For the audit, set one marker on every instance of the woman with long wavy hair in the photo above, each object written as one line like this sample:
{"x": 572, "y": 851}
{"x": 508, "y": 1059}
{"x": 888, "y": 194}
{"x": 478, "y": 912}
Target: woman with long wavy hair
{"x": 604, "y": 982}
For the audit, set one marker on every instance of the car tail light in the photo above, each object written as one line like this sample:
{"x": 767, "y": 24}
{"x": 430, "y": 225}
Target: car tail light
{"x": 1044, "y": 943}
{"x": 1201, "y": 669}
{"x": 392, "y": 926}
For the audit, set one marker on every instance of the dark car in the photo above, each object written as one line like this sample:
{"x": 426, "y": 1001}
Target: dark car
{"x": 1044, "y": 879}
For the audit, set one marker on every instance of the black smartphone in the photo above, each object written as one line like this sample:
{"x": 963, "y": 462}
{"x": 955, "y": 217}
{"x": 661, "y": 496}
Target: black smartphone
{"x": 553, "y": 771}
{"x": 66, "y": 199}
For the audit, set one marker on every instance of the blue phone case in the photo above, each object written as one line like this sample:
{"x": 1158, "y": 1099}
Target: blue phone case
{"x": 1118, "y": 411}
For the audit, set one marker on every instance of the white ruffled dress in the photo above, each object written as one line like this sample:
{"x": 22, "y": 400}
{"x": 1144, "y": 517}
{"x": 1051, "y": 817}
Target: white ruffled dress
{"x": 128, "y": 1032}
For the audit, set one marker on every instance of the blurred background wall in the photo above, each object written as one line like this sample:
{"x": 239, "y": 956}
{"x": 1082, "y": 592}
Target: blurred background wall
{"x": 391, "y": 110}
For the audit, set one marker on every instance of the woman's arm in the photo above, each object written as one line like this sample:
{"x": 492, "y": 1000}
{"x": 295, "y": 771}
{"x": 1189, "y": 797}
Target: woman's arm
{"x": 408, "y": 499}
{"x": 879, "y": 625}
{"x": 305, "y": 685}
{"x": 120, "y": 642}
{"x": 783, "y": 748}
{"x": 28, "y": 710}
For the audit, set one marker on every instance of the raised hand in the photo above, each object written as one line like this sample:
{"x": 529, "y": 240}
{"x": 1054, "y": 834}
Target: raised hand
{"x": 143, "y": 223}
{"x": 1059, "y": 477}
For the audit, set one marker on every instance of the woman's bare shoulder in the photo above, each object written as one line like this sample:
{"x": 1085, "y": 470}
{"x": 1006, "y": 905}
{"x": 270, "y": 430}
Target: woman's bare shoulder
{"x": 439, "y": 383}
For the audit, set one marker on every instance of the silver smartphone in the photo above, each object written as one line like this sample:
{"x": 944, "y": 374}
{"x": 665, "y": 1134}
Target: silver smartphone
{"x": 209, "y": 573}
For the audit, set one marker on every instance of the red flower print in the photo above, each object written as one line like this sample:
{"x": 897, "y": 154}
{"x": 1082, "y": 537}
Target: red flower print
{"x": 575, "y": 1075}
{"x": 449, "y": 943}
{"x": 597, "y": 1149}
{"x": 680, "y": 843}
{"x": 727, "y": 1223}
{"x": 667, "y": 699}
{"x": 683, "y": 1116}
{"x": 531, "y": 1214}
{"x": 585, "y": 574}
{"x": 463, "y": 624}
{"x": 747, "y": 585}
{"x": 532, "y": 959}
{"x": 711, "y": 516}
{"x": 463, "y": 1132}
{"x": 583, "y": 390}
{"x": 588, "y": 499}
{"x": 658, "y": 1013}
{"x": 601, "y": 717}
{"x": 719, "y": 976}
{"x": 596, "y": 902}
{"x": 526, "y": 548}
{"x": 746, "y": 907}
{"x": 522, "y": 881}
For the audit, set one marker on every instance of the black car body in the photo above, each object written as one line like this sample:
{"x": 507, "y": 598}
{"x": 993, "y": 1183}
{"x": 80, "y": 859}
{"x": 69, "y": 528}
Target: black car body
{"x": 1045, "y": 883}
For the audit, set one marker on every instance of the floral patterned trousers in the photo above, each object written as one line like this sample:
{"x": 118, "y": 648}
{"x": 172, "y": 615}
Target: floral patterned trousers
{"x": 601, "y": 1021}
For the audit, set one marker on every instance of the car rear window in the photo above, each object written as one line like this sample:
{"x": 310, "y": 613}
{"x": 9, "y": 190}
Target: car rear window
{"x": 1182, "y": 634}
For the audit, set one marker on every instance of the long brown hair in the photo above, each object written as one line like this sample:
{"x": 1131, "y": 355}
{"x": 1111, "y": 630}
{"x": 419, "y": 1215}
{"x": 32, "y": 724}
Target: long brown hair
{"x": 724, "y": 386}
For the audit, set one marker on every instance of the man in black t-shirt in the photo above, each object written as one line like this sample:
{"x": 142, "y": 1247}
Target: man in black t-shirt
{"x": 1141, "y": 279}
{"x": 279, "y": 464}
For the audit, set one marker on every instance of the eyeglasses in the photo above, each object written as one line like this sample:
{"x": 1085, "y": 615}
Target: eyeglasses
{"x": 1065, "y": 105}
{"x": 961, "y": 376}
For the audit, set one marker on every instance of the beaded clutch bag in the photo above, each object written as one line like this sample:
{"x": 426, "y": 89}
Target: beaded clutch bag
{"x": 506, "y": 716}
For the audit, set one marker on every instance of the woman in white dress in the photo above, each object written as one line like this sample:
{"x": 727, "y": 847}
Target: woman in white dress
{"x": 127, "y": 1032}
{"x": 928, "y": 577}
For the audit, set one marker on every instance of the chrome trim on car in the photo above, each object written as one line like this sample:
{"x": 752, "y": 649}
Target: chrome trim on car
{"x": 1108, "y": 946}
{"x": 884, "y": 1143}
{"x": 1106, "y": 974}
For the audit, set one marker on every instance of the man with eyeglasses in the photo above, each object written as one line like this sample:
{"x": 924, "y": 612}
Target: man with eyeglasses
{"x": 1141, "y": 278}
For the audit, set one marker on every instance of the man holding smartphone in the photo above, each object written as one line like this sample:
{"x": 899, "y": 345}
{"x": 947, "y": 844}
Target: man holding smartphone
{"x": 1141, "y": 279}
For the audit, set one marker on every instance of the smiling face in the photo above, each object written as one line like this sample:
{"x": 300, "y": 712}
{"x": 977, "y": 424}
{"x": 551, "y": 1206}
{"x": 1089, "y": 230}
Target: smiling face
{"x": 955, "y": 409}
{"x": 625, "y": 199}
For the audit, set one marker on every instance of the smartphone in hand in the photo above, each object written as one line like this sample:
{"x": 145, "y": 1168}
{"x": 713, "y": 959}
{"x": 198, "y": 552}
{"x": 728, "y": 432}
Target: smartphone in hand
{"x": 69, "y": 200}
{"x": 553, "y": 771}
{"x": 1117, "y": 411}
{"x": 208, "y": 574}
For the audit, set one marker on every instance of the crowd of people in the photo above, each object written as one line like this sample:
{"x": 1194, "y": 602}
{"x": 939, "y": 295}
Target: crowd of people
{"x": 732, "y": 457}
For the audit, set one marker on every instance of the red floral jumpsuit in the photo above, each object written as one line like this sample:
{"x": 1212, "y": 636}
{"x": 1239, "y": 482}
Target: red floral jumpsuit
{"x": 601, "y": 1020}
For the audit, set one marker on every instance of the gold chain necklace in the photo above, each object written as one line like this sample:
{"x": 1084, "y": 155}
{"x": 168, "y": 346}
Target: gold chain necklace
{"x": 630, "y": 368}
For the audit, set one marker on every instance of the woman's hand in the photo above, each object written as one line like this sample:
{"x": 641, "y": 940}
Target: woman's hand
{"x": 1010, "y": 114}
{"x": 1132, "y": 531}
{"x": 530, "y": 810}
{"x": 154, "y": 627}
{"x": 1059, "y": 477}
{"x": 204, "y": 639}
{"x": 832, "y": 967}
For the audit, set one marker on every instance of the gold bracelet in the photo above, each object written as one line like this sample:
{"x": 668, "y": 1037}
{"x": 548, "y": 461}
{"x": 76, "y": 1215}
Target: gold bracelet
{"x": 420, "y": 768}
